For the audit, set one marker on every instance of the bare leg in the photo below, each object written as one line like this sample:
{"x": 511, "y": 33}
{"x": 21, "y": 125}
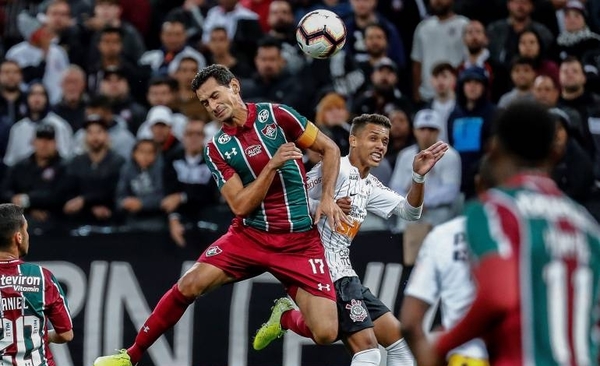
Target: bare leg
{"x": 320, "y": 315}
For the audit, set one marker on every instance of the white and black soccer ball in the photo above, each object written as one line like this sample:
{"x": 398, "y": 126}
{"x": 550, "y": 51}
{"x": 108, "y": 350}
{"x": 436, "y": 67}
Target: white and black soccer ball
{"x": 321, "y": 34}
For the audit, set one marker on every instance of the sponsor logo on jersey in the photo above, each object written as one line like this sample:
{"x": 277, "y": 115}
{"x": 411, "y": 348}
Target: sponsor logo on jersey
{"x": 263, "y": 116}
{"x": 224, "y": 138}
{"x": 313, "y": 182}
{"x": 214, "y": 250}
{"x": 270, "y": 131}
{"x": 253, "y": 150}
{"x": 21, "y": 283}
{"x": 356, "y": 310}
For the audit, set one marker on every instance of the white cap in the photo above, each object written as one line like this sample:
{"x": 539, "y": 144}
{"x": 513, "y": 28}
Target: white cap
{"x": 428, "y": 118}
{"x": 160, "y": 114}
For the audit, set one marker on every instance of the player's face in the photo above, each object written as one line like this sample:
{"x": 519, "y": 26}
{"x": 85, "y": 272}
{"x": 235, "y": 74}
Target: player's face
{"x": 370, "y": 144}
{"x": 544, "y": 91}
{"x": 219, "y": 100}
{"x": 23, "y": 244}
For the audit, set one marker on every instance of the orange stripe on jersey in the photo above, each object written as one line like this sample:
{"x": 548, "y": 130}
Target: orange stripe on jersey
{"x": 308, "y": 137}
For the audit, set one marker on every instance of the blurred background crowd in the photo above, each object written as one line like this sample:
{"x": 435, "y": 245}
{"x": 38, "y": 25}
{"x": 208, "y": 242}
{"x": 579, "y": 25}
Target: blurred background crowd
{"x": 99, "y": 126}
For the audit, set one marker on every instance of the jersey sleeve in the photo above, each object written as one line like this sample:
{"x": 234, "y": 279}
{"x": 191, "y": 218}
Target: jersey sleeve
{"x": 383, "y": 200}
{"x": 221, "y": 171}
{"x": 56, "y": 305}
{"x": 424, "y": 283}
{"x": 295, "y": 126}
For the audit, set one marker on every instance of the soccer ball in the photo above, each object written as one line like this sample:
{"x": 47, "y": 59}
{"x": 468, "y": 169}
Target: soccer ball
{"x": 321, "y": 34}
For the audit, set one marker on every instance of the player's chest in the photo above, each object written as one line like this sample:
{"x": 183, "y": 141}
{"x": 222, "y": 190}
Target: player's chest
{"x": 359, "y": 190}
{"x": 251, "y": 149}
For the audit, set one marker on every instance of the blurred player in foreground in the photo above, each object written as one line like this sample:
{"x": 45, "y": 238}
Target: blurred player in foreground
{"x": 536, "y": 257}
{"x": 364, "y": 320}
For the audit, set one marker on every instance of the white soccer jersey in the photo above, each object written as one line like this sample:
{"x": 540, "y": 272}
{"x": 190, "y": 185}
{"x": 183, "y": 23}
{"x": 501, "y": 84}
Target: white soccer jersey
{"x": 442, "y": 271}
{"x": 367, "y": 195}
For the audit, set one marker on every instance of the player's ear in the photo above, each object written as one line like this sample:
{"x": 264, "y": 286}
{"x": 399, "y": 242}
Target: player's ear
{"x": 352, "y": 140}
{"x": 235, "y": 85}
{"x": 19, "y": 237}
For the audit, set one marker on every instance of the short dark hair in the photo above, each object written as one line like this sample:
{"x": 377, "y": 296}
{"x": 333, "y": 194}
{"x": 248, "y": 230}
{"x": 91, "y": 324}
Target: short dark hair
{"x": 100, "y": 101}
{"x": 111, "y": 30}
{"x": 521, "y": 60}
{"x": 220, "y": 73}
{"x": 269, "y": 42}
{"x": 572, "y": 59}
{"x": 526, "y": 130}
{"x": 380, "y": 26}
{"x": 164, "y": 80}
{"x": 11, "y": 220}
{"x": 359, "y": 122}
{"x": 441, "y": 67}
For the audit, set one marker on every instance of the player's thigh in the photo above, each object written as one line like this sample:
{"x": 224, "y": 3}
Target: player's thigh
{"x": 320, "y": 315}
{"x": 387, "y": 329}
{"x": 202, "y": 278}
{"x": 360, "y": 341}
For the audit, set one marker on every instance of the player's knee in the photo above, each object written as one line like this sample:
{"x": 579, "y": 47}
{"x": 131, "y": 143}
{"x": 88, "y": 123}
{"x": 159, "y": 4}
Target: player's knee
{"x": 325, "y": 335}
{"x": 190, "y": 287}
{"x": 369, "y": 357}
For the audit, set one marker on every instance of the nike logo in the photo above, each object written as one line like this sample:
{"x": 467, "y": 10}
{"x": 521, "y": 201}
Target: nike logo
{"x": 353, "y": 194}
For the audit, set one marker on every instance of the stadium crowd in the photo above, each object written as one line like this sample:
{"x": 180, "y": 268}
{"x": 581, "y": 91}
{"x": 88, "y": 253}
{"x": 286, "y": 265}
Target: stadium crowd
{"x": 99, "y": 126}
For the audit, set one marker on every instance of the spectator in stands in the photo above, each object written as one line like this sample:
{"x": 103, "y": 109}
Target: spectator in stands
{"x": 115, "y": 87}
{"x": 531, "y": 46}
{"x": 332, "y": 119}
{"x": 71, "y": 107}
{"x": 38, "y": 57}
{"x": 165, "y": 60}
{"x": 91, "y": 178}
{"x": 443, "y": 80}
{"x": 476, "y": 43}
{"x": 33, "y": 182}
{"x": 22, "y": 133}
{"x": 469, "y": 124}
{"x": 261, "y": 8}
{"x": 283, "y": 27}
{"x": 401, "y": 134}
{"x": 384, "y": 92}
{"x": 364, "y": 12}
{"x": 191, "y": 14}
{"x": 110, "y": 50}
{"x": 189, "y": 187}
{"x": 140, "y": 187}
{"x": 13, "y": 102}
{"x": 99, "y": 108}
{"x": 577, "y": 39}
{"x": 107, "y": 13}
{"x": 443, "y": 180}
{"x": 160, "y": 121}
{"x": 341, "y": 7}
{"x": 163, "y": 91}
{"x": 587, "y": 104}
{"x": 187, "y": 102}
{"x": 436, "y": 39}
{"x": 376, "y": 47}
{"x": 522, "y": 74}
{"x": 219, "y": 46}
{"x": 573, "y": 170}
{"x": 272, "y": 82}
{"x": 547, "y": 92}
{"x": 57, "y": 17}
{"x": 227, "y": 14}
{"x": 503, "y": 34}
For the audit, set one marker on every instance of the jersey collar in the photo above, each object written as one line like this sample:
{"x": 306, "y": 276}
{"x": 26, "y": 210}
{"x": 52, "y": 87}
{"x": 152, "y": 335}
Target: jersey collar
{"x": 249, "y": 124}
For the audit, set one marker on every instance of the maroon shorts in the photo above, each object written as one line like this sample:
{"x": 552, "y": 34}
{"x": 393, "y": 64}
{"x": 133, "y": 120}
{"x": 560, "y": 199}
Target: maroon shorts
{"x": 297, "y": 260}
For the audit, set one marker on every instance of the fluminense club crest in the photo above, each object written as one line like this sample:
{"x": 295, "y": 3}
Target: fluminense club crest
{"x": 357, "y": 311}
{"x": 270, "y": 131}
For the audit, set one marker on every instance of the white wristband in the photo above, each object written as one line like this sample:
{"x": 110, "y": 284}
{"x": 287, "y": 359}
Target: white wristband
{"x": 418, "y": 178}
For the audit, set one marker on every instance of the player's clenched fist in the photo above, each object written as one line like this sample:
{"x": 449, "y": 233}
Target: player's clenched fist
{"x": 286, "y": 152}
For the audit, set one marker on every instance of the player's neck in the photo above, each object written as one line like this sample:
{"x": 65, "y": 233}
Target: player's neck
{"x": 9, "y": 256}
{"x": 363, "y": 170}
{"x": 239, "y": 117}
